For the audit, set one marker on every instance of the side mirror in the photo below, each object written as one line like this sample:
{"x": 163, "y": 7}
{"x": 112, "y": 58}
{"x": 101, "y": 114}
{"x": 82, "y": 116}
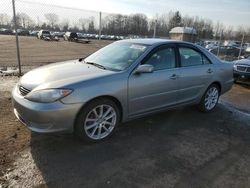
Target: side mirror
{"x": 144, "y": 69}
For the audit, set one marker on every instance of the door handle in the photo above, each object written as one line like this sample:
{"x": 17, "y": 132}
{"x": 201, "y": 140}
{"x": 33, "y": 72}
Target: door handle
{"x": 209, "y": 71}
{"x": 174, "y": 77}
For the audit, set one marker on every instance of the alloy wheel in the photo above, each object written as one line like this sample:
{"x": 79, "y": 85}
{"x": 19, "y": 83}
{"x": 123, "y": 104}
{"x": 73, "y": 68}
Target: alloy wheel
{"x": 100, "y": 122}
{"x": 211, "y": 98}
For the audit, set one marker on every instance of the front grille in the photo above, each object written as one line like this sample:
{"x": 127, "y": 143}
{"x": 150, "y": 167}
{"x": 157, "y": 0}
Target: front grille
{"x": 23, "y": 91}
{"x": 243, "y": 68}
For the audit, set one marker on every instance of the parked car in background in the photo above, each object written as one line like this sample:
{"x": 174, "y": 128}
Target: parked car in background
{"x": 227, "y": 51}
{"x": 34, "y": 33}
{"x": 246, "y": 45}
{"x": 47, "y": 35}
{"x": 247, "y": 51}
{"x": 75, "y": 37}
{"x": 212, "y": 42}
{"x": 43, "y": 34}
{"x": 232, "y": 43}
{"x": 211, "y": 46}
{"x": 82, "y": 36}
{"x": 242, "y": 69}
{"x": 22, "y": 32}
{"x": 58, "y": 34}
{"x": 91, "y": 36}
{"x": 70, "y": 36}
{"x": 4, "y": 31}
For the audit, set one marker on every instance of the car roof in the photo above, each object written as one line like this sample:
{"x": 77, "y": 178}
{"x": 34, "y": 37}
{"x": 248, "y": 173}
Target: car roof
{"x": 154, "y": 41}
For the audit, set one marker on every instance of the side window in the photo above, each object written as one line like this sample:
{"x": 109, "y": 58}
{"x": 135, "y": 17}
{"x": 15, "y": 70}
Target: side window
{"x": 162, "y": 59}
{"x": 190, "y": 57}
{"x": 205, "y": 60}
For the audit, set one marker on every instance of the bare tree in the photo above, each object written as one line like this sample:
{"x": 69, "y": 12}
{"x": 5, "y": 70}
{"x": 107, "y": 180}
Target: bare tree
{"x": 82, "y": 24}
{"x": 4, "y": 19}
{"x": 25, "y": 20}
{"x": 218, "y": 30}
{"x": 91, "y": 25}
{"x": 64, "y": 25}
{"x": 229, "y": 34}
{"x": 52, "y": 19}
{"x": 239, "y": 33}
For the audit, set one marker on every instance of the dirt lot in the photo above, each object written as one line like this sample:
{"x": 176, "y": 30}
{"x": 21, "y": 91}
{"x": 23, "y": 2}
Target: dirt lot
{"x": 177, "y": 148}
{"x": 38, "y": 52}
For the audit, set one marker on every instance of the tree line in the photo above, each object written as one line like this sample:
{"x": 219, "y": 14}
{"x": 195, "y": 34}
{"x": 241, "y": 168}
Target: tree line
{"x": 134, "y": 24}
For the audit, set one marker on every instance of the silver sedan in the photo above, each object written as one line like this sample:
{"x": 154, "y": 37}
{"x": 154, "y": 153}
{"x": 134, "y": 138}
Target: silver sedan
{"x": 122, "y": 81}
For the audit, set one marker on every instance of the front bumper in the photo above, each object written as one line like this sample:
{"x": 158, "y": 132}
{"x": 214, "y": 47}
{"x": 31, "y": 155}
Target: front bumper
{"x": 45, "y": 117}
{"x": 243, "y": 75}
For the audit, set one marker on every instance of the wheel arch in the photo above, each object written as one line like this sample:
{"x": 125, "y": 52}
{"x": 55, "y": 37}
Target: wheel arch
{"x": 218, "y": 84}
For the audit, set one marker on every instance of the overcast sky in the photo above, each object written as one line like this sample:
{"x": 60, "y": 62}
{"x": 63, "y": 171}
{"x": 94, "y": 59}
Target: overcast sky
{"x": 230, "y": 12}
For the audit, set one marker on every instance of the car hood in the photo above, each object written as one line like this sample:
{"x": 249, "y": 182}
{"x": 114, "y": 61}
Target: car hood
{"x": 242, "y": 62}
{"x": 61, "y": 74}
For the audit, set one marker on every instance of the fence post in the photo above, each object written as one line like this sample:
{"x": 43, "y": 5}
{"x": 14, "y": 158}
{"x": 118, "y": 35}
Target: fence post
{"x": 17, "y": 40}
{"x": 100, "y": 25}
{"x": 242, "y": 40}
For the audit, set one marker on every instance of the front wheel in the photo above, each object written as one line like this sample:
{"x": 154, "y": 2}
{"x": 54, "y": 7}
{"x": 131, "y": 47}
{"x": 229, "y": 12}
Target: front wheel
{"x": 210, "y": 98}
{"x": 97, "y": 120}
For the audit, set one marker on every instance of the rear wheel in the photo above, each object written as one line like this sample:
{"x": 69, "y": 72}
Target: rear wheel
{"x": 210, "y": 98}
{"x": 98, "y": 120}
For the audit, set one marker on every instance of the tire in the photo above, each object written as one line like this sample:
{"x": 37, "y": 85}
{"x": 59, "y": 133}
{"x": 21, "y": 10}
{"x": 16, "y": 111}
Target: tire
{"x": 91, "y": 126}
{"x": 210, "y": 98}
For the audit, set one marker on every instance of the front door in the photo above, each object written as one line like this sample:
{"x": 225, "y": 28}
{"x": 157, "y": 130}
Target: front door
{"x": 152, "y": 91}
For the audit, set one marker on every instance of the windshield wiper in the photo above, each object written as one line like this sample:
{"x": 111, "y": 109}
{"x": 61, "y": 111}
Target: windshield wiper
{"x": 95, "y": 64}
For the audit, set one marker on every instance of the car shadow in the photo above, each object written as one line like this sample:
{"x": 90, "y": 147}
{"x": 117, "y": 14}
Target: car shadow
{"x": 245, "y": 84}
{"x": 137, "y": 154}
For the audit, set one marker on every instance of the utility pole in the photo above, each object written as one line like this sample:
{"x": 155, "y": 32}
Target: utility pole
{"x": 155, "y": 28}
{"x": 100, "y": 25}
{"x": 218, "y": 51}
{"x": 17, "y": 40}
{"x": 242, "y": 40}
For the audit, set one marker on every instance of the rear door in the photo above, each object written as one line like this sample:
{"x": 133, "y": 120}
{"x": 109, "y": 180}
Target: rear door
{"x": 196, "y": 72}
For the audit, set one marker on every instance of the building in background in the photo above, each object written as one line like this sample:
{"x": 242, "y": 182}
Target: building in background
{"x": 183, "y": 33}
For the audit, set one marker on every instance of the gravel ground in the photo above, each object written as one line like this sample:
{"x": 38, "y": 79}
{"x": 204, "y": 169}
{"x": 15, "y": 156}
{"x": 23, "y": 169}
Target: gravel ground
{"x": 177, "y": 148}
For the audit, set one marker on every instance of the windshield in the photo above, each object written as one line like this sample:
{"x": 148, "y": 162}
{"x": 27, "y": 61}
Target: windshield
{"x": 73, "y": 35}
{"x": 46, "y": 32}
{"x": 117, "y": 56}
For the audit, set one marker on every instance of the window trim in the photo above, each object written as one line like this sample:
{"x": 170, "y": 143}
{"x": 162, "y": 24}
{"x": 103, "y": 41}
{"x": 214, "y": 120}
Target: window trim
{"x": 161, "y": 47}
{"x": 193, "y": 48}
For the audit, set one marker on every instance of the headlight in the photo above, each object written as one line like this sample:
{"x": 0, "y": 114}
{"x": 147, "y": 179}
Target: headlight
{"x": 48, "y": 95}
{"x": 235, "y": 67}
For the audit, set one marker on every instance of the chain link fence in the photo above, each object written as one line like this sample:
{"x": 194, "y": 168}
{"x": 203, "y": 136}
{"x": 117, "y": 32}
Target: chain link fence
{"x": 50, "y": 33}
